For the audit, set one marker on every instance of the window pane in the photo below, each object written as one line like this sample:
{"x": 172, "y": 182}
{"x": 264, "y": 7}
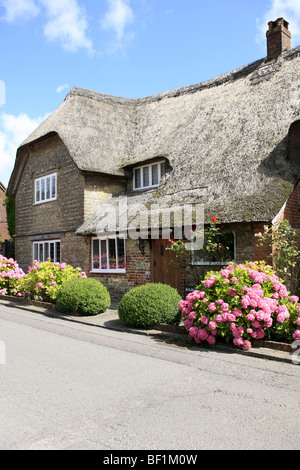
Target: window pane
{"x": 96, "y": 254}
{"x": 112, "y": 254}
{"x": 51, "y": 253}
{"x": 103, "y": 254}
{"x": 137, "y": 176}
{"x": 48, "y": 187}
{"x": 37, "y": 191}
{"x": 41, "y": 252}
{"x": 57, "y": 252}
{"x": 46, "y": 251}
{"x": 155, "y": 175}
{"x": 146, "y": 178}
{"x": 162, "y": 168}
{"x": 42, "y": 189}
{"x": 36, "y": 251}
{"x": 53, "y": 187}
{"x": 121, "y": 253}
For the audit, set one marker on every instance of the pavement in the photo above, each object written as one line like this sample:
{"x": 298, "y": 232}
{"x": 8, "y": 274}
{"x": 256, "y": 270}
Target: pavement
{"x": 176, "y": 335}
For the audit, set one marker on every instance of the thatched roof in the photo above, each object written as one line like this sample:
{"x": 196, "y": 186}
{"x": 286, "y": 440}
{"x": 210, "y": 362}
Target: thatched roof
{"x": 226, "y": 139}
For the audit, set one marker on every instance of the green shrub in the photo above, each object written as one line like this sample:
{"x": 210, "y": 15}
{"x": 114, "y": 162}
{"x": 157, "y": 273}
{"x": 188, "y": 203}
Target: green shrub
{"x": 87, "y": 296}
{"x": 146, "y": 305}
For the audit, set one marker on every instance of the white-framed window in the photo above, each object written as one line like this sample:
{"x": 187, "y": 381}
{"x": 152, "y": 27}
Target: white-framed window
{"x": 45, "y": 188}
{"x": 45, "y": 249}
{"x": 148, "y": 176}
{"x": 221, "y": 257}
{"x": 108, "y": 255}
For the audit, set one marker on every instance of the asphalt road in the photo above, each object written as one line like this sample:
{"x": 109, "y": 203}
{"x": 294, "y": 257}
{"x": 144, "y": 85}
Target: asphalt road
{"x": 70, "y": 386}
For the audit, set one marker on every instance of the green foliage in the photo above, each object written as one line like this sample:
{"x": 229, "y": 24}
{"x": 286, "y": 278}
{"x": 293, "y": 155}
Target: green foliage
{"x": 87, "y": 296}
{"x": 152, "y": 303}
{"x": 216, "y": 245}
{"x": 281, "y": 240}
{"x": 44, "y": 280}
{"x": 10, "y": 215}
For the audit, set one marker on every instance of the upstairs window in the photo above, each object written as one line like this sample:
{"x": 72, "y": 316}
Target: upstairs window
{"x": 45, "y": 188}
{"x": 148, "y": 176}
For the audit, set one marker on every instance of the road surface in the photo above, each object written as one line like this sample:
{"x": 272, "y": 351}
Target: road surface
{"x": 66, "y": 385}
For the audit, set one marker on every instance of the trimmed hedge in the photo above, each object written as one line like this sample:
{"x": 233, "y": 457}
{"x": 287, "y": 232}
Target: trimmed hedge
{"x": 152, "y": 303}
{"x": 87, "y": 296}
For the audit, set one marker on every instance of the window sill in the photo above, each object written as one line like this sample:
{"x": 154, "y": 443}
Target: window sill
{"x": 44, "y": 202}
{"x": 108, "y": 271}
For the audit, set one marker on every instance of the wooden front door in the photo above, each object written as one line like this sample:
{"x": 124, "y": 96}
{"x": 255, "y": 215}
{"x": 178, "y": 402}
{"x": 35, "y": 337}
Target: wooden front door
{"x": 163, "y": 270}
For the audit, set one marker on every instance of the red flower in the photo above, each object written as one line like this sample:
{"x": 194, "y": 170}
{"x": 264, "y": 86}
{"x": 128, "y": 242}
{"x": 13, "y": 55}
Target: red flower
{"x": 214, "y": 219}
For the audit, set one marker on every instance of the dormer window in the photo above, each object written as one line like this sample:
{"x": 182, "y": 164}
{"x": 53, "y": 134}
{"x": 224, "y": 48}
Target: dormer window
{"x": 148, "y": 176}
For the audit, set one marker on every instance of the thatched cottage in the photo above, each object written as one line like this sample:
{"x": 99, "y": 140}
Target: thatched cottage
{"x": 231, "y": 144}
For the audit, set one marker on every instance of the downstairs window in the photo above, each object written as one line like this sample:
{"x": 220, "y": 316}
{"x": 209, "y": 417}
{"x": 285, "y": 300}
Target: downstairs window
{"x": 47, "y": 249}
{"x": 108, "y": 255}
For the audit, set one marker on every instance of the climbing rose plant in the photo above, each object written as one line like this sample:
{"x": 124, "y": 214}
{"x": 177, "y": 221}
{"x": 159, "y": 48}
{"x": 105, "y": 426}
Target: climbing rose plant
{"x": 240, "y": 303}
{"x": 281, "y": 240}
{"x": 10, "y": 274}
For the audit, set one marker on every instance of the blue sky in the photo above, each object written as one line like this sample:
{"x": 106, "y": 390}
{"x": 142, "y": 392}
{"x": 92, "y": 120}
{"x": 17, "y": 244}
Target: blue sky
{"x": 130, "y": 48}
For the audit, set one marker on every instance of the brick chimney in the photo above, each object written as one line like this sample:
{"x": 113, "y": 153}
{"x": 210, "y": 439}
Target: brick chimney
{"x": 278, "y": 38}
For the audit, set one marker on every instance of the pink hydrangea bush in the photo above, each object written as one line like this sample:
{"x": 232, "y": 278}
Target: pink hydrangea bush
{"x": 43, "y": 280}
{"x": 10, "y": 275}
{"x": 241, "y": 303}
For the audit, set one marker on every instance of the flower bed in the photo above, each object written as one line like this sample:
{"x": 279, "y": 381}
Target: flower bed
{"x": 42, "y": 281}
{"x": 10, "y": 275}
{"x": 241, "y": 303}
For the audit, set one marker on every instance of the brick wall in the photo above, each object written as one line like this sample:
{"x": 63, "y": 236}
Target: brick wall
{"x": 4, "y": 235}
{"x": 138, "y": 270}
{"x": 291, "y": 210}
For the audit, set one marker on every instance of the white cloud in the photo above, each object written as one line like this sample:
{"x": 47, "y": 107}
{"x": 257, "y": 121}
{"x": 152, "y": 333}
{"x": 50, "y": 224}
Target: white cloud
{"x": 118, "y": 17}
{"x": 67, "y": 23}
{"x": 19, "y": 10}
{"x": 289, "y": 10}
{"x": 13, "y": 131}
{"x": 61, "y": 88}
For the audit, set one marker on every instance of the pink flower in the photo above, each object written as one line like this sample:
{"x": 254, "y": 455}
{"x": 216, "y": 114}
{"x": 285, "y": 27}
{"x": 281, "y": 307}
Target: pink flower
{"x": 202, "y": 334}
{"x": 192, "y": 315}
{"x": 260, "y": 333}
{"x": 232, "y": 292}
{"x": 212, "y": 325}
{"x": 294, "y": 298}
{"x": 204, "y": 320}
{"x": 212, "y": 307}
{"x": 193, "y": 331}
{"x": 250, "y": 317}
{"x": 53, "y": 283}
{"x": 237, "y": 312}
{"x": 246, "y": 345}
{"x": 220, "y": 301}
{"x": 211, "y": 339}
{"x": 39, "y": 285}
{"x": 210, "y": 282}
{"x": 238, "y": 341}
{"x": 51, "y": 276}
{"x": 225, "y": 307}
{"x": 296, "y": 335}
{"x": 188, "y": 324}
